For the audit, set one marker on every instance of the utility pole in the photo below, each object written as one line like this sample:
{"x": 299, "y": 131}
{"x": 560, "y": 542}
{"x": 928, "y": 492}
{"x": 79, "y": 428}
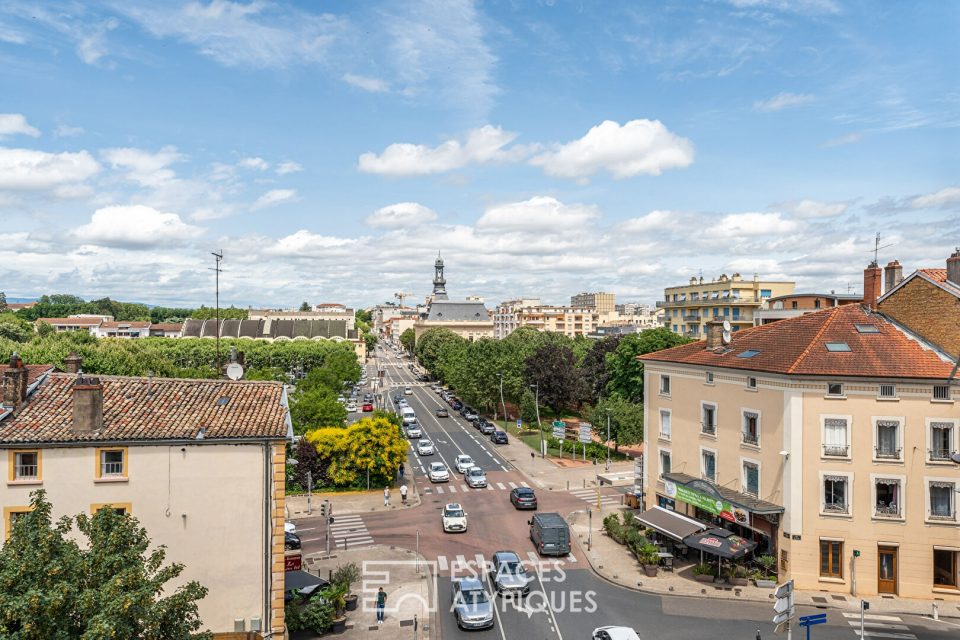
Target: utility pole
{"x": 218, "y": 257}
{"x": 608, "y": 440}
{"x": 536, "y": 403}
{"x": 502, "y": 402}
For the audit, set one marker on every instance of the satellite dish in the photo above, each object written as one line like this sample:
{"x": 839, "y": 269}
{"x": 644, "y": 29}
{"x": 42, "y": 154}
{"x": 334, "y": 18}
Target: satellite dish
{"x": 234, "y": 371}
{"x": 726, "y": 337}
{"x": 726, "y": 326}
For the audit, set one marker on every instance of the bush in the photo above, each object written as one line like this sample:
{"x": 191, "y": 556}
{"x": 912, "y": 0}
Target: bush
{"x": 316, "y": 615}
{"x": 768, "y": 565}
{"x": 611, "y": 524}
{"x": 704, "y": 570}
{"x": 346, "y": 575}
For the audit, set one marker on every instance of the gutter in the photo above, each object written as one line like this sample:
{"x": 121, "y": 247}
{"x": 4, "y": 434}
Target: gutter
{"x": 167, "y": 442}
{"x": 266, "y": 620}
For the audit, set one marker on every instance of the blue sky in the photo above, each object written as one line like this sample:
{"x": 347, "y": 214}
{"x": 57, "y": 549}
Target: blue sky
{"x": 331, "y": 148}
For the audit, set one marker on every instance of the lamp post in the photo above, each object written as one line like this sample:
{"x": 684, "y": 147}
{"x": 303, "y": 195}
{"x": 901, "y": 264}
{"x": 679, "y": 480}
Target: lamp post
{"x": 502, "y": 403}
{"x": 608, "y": 440}
{"x": 536, "y": 404}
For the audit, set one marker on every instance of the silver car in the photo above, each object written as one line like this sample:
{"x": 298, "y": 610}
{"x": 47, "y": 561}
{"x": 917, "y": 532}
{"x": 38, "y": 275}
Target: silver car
{"x": 425, "y": 448}
{"x": 508, "y": 575}
{"x": 475, "y": 477}
{"x": 413, "y": 430}
{"x": 471, "y": 606}
{"x": 438, "y": 472}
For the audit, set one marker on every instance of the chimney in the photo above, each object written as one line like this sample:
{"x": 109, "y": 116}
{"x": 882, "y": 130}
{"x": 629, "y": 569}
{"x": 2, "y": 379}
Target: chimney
{"x": 87, "y": 405}
{"x": 715, "y": 334}
{"x": 892, "y": 275}
{"x": 72, "y": 363}
{"x": 15, "y": 382}
{"x": 953, "y": 267}
{"x": 871, "y": 285}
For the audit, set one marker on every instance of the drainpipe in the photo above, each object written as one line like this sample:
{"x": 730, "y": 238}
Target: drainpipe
{"x": 266, "y": 624}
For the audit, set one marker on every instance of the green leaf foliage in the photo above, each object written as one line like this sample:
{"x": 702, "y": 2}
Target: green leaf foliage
{"x": 408, "y": 339}
{"x": 626, "y": 420}
{"x": 625, "y": 371}
{"x": 15, "y": 328}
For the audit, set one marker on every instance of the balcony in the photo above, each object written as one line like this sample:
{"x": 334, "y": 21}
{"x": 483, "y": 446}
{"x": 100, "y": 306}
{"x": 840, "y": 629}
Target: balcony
{"x": 691, "y": 318}
{"x": 883, "y": 510}
{"x": 939, "y": 455}
{"x": 887, "y": 453}
{"x": 750, "y": 438}
{"x": 836, "y": 450}
{"x": 708, "y": 429}
{"x": 835, "y": 507}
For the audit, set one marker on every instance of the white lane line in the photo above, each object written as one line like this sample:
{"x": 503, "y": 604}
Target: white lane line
{"x": 880, "y": 625}
{"x": 452, "y": 488}
{"x": 501, "y": 486}
{"x": 873, "y": 616}
{"x": 572, "y": 558}
{"x": 513, "y": 485}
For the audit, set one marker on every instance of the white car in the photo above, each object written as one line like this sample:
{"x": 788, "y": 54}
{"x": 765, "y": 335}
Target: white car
{"x": 454, "y": 518}
{"x": 402, "y": 403}
{"x": 463, "y": 463}
{"x": 289, "y": 527}
{"x": 351, "y": 407}
{"x": 475, "y": 477}
{"x": 413, "y": 430}
{"x": 614, "y": 633}
{"x": 438, "y": 472}
{"x": 425, "y": 448}
{"x": 407, "y": 391}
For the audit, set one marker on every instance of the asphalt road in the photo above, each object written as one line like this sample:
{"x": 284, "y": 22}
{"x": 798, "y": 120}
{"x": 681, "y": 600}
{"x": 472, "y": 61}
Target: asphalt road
{"x": 567, "y": 600}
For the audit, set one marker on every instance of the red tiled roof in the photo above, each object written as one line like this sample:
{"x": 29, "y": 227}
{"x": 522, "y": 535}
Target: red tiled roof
{"x": 79, "y": 322}
{"x": 940, "y": 277}
{"x": 167, "y": 326}
{"x": 34, "y": 371}
{"x": 132, "y": 324}
{"x": 16, "y": 306}
{"x": 797, "y": 346}
{"x": 151, "y": 409}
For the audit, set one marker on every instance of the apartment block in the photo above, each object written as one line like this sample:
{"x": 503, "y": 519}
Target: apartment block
{"x": 570, "y": 321}
{"x": 601, "y": 301}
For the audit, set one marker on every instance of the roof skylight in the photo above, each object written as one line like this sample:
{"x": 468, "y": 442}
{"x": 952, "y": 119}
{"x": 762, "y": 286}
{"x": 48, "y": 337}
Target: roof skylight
{"x": 749, "y": 353}
{"x": 867, "y": 328}
{"x": 838, "y": 346}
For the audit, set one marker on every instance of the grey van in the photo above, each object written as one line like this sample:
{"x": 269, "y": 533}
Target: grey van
{"x": 550, "y": 534}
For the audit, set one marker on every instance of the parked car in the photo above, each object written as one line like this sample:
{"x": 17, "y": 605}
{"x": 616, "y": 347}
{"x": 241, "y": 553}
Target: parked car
{"x": 291, "y": 541}
{"x": 368, "y": 397}
{"x": 442, "y": 413}
{"x": 454, "y": 518}
{"x": 425, "y": 448}
{"x": 463, "y": 462}
{"x": 471, "y": 606}
{"x": 614, "y": 633}
{"x": 486, "y": 428}
{"x": 438, "y": 472}
{"x": 476, "y": 422}
{"x": 413, "y": 430}
{"x": 523, "y": 498}
{"x": 367, "y": 407}
{"x": 468, "y": 413}
{"x": 508, "y": 575}
{"x": 499, "y": 437}
{"x": 550, "y": 534}
{"x": 457, "y": 405}
{"x": 289, "y": 527}
{"x": 475, "y": 477}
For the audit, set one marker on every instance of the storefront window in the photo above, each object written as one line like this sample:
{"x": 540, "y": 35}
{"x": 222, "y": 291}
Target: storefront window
{"x": 831, "y": 559}
{"x": 945, "y": 568}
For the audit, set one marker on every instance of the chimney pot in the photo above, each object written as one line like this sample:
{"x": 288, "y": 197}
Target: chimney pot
{"x": 953, "y": 267}
{"x": 87, "y": 404}
{"x": 714, "y": 334}
{"x": 15, "y": 382}
{"x": 871, "y": 285}
{"x": 72, "y": 363}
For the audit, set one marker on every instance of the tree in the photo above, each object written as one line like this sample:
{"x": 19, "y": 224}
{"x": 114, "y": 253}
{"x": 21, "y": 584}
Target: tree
{"x": 553, "y": 369}
{"x": 370, "y": 445}
{"x": 370, "y": 340}
{"x": 437, "y": 345}
{"x": 408, "y": 339}
{"x": 626, "y": 420}
{"x": 594, "y": 366}
{"x": 315, "y": 408}
{"x": 14, "y": 328}
{"x": 304, "y": 306}
{"x": 3, "y": 301}
{"x": 625, "y": 371}
{"x": 363, "y": 315}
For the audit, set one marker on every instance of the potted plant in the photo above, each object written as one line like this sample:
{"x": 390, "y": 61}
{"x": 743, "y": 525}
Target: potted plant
{"x": 766, "y": 576}
{"x": 737, "y": 575}
{"x": 611, "y": 524}
{"x": 315, "y": 616}
{"x": 704, "y": 572}
{"x": 347, "y": 575}
{"x": 336, "y": 595}
{"x": 647, "y": 555}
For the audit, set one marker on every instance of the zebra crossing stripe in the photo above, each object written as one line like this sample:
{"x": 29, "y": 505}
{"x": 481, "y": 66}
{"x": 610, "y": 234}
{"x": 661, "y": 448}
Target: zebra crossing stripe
{"x": 881, "y": 634}
{"x": 464, "y": 488}
{"x": 500, "y": 484}
{"x": 881, "y": 625}
{"x": 490, "y": 487}
{"x": 461, "y": 562}
{"x": 524, "y": 485}
{"x": 453, "y": 489}
{"x": 873, "y": 616}
{"x": 442, "y": 563}
{"x": 513, "y": 485}
{"x": 439, "y": 489}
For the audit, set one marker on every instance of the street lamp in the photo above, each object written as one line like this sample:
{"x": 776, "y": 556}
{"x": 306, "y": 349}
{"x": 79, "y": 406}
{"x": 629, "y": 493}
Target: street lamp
{"x": 955, "y": 457}
{"x": 608, "y": 440}
{"x": 536, "y": 404}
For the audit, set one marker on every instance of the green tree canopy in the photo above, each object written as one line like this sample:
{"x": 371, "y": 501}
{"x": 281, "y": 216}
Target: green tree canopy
{"x": 626, "y": 420}
{"x": 408, "y": 339}
{"x": 625, "y": 371}
{"x": 315, "y": 408}
{"x": 437, "y": 347}
{"x": 304, "y": 306}
{"x": 552, "y": 368}
{"x": 15, "y": 328}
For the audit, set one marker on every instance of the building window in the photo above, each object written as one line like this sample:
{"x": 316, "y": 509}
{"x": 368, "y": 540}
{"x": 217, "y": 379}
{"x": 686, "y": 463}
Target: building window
{"x": 709, "y": 465}
{"x": 665, "y": 428}
{"x": 664, "y": 462}
{"x": 24, "y": 466}
{"x": 708, "y": 377}
{"x": 751, "y": 428}
{"x": 835, "y": 494}
{"x": 708, "y": 418}
{"x": 751, "y": 383}
{"x": 942, "y": 502}
{"x": 831, "y": 559}
{"x": 10, "y": 517}
{"x": 888, "y": 440}
{"x": 751, "y": 478}
{"x": 835, "y": 442}
{"x": 941, "y": 392}
{"x": 793, "y": 304}
{"x": 122, "y": 508}
{"x": 664, "y": 385}
{"x": 816, "y": 303}
{"x": 888, "y": 391}
{"x": 112, "y": 463}
{"x": 835, "y": 389}
{"x": 946, "y": 566}
{"x": 941, "y": 441}
{"x": 887, "y": 498}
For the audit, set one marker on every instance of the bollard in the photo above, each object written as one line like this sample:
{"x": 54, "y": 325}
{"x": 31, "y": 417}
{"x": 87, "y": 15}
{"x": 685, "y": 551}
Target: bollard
{"x": 936, "y": 611}
{"x": 568, "y": 485}
{"x": 584, "y": 483}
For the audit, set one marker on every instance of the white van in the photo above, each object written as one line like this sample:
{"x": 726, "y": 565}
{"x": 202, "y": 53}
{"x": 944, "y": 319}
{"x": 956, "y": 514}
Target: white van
{"x": 409, "y": 416}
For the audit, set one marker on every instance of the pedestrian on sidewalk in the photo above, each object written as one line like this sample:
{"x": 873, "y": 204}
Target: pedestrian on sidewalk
{"x": 403, "y": 494}
{"x": 381, "y": 603}
{"x": 401, "y": 471}
{"x": 386, "y": 496}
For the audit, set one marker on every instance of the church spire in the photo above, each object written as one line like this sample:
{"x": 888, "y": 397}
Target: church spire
{"x": 439, "y": 282}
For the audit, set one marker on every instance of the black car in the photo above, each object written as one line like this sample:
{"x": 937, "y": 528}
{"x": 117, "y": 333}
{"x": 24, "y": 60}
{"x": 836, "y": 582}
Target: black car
{"x": 523, "y": 498}
{"x": 498, "y": 437}
{"x": 291, "y": 541}
{"x": 457, "y": 405}
{"x": 486, "y": 428}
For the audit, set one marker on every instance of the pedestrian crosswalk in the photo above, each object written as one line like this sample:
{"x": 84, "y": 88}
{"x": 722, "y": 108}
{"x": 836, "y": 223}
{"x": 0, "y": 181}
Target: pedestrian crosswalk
{"x": 590, "y": 495}
{"x": 441, "y": 489}
{"x": 348, "y": 532}
{"x": 879, "y": 626}
{"x": 460, "y": 564}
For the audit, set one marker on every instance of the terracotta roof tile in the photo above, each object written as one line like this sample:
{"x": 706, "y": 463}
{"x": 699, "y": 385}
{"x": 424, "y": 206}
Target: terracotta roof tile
{"x": 132, "y": 324}
{"x": 167, "y": 326}
{"x": 797, "y": 346}
{"x": 34, "y": 371}
{"x": 80, "y": 322}
{"x": 151, "y": 409}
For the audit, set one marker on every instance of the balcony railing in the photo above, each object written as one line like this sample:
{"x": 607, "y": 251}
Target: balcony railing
{"x": 940, "y": 454}
{"x": 888, "y": 453}
{"x": 691, "y": 318}
{"x": 839, "y": 450}
{"x": 835, "y": 507}
{"x": 891, "y": 510}
{"x": 707, "y": 428}
{"x": 25, "y": 471}
{"x": 112, "y": 469}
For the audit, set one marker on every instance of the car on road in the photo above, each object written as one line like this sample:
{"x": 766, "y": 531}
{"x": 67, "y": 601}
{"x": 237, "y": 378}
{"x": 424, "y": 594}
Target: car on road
{"x": 471, "y": 606}
{"x": 367, "y": 407}
{"x": 463, "y": 462}
{"x": 351, "y": 407}
{"x": 454, "y": 518}
{"x": 438, "y": 472}
{"x": 403, "y": 403}
{"x": 289, "y": 527}
{"x": 486, "y": 428}
{"x": 499, "y": 437}
{"x": 413, "y": 430}
{"x": 614, "y": 633}
{"x": 475, "y": 477}
{"x": 407, "y": 391}
{"x": 469, "y": 413}
{"x": 442, "y": 413}
{"x": 523, "y": 498}
{"x": 550, "y": 534}
{"x": 397, "y": 398}
{"x": 425, "y": 448}
{"x": 508, "y": 575}
{"x": 368, "y": 397}
{"x": 291, "y": 541}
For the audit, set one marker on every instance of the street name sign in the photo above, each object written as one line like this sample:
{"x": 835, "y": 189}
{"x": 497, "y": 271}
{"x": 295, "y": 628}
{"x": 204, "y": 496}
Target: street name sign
{"x": 808, "y": 621}
{"x": 586, "y": 432}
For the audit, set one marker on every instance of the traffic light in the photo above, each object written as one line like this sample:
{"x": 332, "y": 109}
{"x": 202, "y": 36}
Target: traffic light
{"x": 323, "y": 508}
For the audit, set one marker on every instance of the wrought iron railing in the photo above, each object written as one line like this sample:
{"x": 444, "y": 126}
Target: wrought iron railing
{"x": 750, "y": 438}
{"x": 23, "y": 471}
{"x": 835, "y": 507}
{"x": 836, "y": 450}
{"x": 888, "y": 453}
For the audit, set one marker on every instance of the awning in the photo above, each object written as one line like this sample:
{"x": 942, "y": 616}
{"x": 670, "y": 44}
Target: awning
{"x": 720, "y": 542}
{"x": 303, "y": 581}
{"x": 670, "y": 523}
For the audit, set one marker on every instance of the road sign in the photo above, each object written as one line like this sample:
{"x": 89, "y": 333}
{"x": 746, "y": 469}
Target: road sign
{"x": 558, "y": 424}
{"x": 559, "y": 433}
{"x": 782, "y": 627}
{"x": 783, "y": 607}
{"x": 781, "y": 617}
{"x": 807, "y": 621}
{"x": 586, "y": 432}
{"x": 519, "y": 423}
{"x": 783, "y": 590}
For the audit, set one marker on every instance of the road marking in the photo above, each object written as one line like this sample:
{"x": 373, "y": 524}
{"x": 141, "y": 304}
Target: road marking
{"x": 500, "y": 485}
{"x": 524, "y": 485}
{"x": 442, "y": 563}
{"x": 452, "y": 488}
{"x": 513, "y": 485}
{"x": 571, "y": 557}
{"x": 490, "y": 488}
{"x": 873, "y": 616}
{"x": 299, "y": 530}
{"x": 439, "y": 489}
{"x": 464, "y": 488}
{"x": 460, "y": 562}
{"x": 880, "y": 634}
{"x": 481, "y": 562}
{"x": 881, "y": 625}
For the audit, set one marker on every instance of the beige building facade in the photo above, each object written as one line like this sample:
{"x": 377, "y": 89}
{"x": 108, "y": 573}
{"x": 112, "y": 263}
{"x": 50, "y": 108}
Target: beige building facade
{"x": 571, "y": 321}
{"x": 602, "y": 301}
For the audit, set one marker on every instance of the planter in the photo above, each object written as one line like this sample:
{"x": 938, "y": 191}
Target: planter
{"x": 703, "y": 577}
{"x": 339, "y": 625}
{"x": 765, "y": 584}
{"x": 739, "y": 582}
{"x": 351, "y": 601}
{"x": 650, "y": 570}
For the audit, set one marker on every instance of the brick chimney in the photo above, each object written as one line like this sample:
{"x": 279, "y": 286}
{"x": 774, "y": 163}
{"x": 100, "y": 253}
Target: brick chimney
{"x": 87, "y": 405}
{"x": 953, "y": 267}
{"x": 892, "y": 275}
{"x": 871, "y": 284}
{"x": 15, "y": 383}
{"x": 715, "y": 334}
{"x": 72, "y": 363}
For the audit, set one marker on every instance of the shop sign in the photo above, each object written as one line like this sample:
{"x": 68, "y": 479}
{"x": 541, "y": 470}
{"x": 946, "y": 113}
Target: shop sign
{"x": 293, "y": 562}
{"x": 710, "y": 504}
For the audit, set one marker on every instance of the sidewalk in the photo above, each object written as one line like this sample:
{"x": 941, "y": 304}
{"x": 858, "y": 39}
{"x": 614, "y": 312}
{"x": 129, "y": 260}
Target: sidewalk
{"x": 409, "y": 585}
{"x": 347, "y": 502}
{"x": 613, "y": 562}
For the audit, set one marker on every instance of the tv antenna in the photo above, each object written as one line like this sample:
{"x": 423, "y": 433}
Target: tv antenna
{"x": 218, "y": 257}
{"x": 876, "y": 249}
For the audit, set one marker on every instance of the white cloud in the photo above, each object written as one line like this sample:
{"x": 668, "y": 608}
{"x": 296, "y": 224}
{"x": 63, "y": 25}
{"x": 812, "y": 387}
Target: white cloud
{"x": 12, "y": 124}
{"x": 839, "y": 141}
{"x": 258, "y": 164}
{"x": 305, "y": 243}
{"x": 91, "y": 40}
{"x": 66, "y": 131}
{"x": 654, "y": 221}
{"x": 26, "y": 169}
{"x": 402, "y": 214}
{"x": 783, "y": 100}
{"x": 135, "y": 226}
{"x": 146, "y": 168}
{"x": 288, "y": 167}
{"x": 538, "y": 214}
{"x": 637, "y": 147}
{"x": 274, "y": 197}
{"x": 944, "y": 198}
{"x": 482, "y": 145}
{"x": 373, "y": 85}
{"x": 797, "y": 6}
{"x": 750, "y": 224}
{"x": 815, "y": 209}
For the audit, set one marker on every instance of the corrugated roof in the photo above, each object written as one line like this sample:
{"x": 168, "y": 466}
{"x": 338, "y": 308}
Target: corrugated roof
{"x": 151, "y": 409}
{"x": 797, "y": 346}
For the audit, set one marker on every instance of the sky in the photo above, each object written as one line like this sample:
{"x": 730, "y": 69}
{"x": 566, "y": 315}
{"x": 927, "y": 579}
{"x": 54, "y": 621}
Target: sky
{"x": 331, "y": 149}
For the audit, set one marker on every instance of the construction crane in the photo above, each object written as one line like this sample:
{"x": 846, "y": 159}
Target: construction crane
{"x": 400, "y": 296}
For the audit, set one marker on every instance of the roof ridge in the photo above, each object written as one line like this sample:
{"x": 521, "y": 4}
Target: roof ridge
{"x": 823, "y": 327}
